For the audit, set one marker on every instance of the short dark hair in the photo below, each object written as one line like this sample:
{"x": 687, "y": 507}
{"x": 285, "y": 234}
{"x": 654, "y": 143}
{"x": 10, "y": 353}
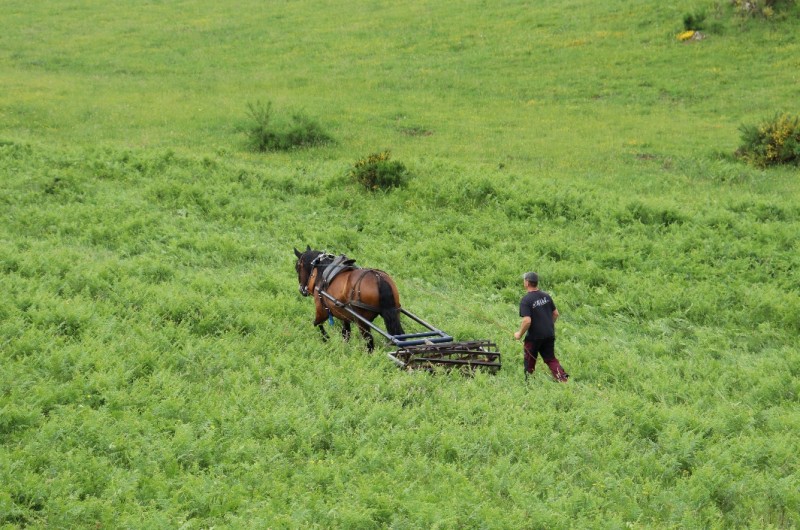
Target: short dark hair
{"x": 531, "y": 277}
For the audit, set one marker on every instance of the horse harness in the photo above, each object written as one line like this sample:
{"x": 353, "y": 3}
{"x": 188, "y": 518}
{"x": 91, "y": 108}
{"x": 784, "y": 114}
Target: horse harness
{"x": 329, "y": 271}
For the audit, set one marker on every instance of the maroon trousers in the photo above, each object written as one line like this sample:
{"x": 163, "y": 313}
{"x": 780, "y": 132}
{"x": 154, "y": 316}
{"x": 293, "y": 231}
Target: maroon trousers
{"x": 545, "y": 348}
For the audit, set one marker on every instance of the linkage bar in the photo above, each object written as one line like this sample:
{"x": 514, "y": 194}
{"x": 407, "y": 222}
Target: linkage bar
{"x": 398, "y": 340}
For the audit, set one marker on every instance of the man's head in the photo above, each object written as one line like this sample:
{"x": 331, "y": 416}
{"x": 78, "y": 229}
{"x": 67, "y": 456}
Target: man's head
{"x": 531, "y": 278}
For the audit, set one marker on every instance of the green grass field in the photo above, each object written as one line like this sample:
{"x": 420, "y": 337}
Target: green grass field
{"x": 158, "y": 367}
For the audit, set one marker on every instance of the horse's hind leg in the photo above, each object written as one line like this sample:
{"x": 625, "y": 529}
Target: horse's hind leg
{"x": 365, "y": 332}
{"x": 346, "y": 330}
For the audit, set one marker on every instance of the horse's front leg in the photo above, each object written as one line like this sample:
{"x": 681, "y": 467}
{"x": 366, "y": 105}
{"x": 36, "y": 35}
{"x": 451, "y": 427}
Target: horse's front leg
{"x": 320, "y": 317}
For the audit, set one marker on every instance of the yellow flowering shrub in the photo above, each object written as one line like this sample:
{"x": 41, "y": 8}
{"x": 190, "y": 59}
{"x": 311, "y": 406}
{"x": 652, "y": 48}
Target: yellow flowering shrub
{"x": 771, "y": 143}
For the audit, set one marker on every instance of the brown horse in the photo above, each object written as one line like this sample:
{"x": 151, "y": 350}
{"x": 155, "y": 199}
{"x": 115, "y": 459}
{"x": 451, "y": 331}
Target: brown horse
{"x": 368, "y": 292}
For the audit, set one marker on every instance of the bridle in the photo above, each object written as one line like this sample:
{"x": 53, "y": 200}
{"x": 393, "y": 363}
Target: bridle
{"x": 313, "y": 264}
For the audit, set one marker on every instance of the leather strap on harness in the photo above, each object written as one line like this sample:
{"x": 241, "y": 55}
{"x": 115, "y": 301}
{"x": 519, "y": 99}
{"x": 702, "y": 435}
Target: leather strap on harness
{"x": 355, "y": 293}
{"x": 340, "y": 264}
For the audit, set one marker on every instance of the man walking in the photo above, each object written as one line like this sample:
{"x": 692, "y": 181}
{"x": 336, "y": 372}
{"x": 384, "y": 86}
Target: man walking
{"x": 539, "y": 315}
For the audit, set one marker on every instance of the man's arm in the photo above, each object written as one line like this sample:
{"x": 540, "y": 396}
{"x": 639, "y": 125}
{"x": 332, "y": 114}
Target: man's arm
{"x": 523, "y": 327}
{"x": 555, "y": 315}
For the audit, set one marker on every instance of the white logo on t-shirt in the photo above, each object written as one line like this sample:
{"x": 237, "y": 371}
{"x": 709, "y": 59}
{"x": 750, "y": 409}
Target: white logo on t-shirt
{"x": 540, "y": 302}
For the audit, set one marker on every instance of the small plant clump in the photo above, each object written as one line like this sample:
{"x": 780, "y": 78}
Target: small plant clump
{"x": 759, "y": 8}
{"x": 264, "y": 134}
{"x": 378, "y": 172}
{"x": 774, "y": 142}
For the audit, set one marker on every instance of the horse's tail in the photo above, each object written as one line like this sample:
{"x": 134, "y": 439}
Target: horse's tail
{"x": 388, "y": 307}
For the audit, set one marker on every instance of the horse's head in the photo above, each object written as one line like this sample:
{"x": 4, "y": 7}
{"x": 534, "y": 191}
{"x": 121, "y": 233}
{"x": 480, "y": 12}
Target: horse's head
{"x": 304, "y": 266}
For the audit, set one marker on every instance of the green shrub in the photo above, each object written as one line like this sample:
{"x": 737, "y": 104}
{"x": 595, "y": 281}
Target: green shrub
{"x": 774, "y": 142}
{"x": 694, "y": 21}
{"x": 378, "y": 172}
{"x": 267, "y": 134}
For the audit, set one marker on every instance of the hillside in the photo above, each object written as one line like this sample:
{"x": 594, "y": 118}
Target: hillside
{"x": 159, "y": 367}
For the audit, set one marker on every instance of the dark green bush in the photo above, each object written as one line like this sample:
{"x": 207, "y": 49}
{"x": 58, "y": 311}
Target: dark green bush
{"x": 378, "y": 172}
{"x": 267, "y": 134}
{"x": 774, "y": 142}
{"x": 694, "y": 21}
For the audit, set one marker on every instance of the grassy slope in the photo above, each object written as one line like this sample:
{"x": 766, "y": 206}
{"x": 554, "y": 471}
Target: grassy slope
{"x": 158, "y": 366}
{"x": 511, "y": 80}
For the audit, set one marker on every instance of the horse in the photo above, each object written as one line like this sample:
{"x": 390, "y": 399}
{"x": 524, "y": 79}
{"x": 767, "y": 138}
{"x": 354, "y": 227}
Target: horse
{"x": 368, "y": 292}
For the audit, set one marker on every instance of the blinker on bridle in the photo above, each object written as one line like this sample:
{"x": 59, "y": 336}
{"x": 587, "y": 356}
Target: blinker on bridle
{"x": 312, "y": 265}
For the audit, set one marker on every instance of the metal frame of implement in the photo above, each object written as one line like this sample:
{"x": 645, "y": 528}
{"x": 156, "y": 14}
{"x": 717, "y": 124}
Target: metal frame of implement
{"x": 432, "y": 348}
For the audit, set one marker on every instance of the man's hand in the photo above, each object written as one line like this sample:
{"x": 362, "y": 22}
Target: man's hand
{"x": 523, "y": 328}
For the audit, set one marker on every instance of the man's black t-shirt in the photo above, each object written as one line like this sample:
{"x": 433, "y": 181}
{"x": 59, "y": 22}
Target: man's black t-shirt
{"x": 539, "y": 306}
